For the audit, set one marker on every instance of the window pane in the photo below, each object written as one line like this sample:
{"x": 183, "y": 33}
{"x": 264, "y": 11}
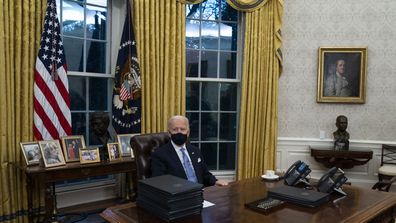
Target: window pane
{"x": 79, "y": 124}
{"x": 228, "y": 97}
{"x": 227, "y": 156}
{"x": 209, "y": 124}
{"x": 96, "y": 22}
{"x": 210, "y": 35}
{"x": 192, "y": 11}
{"x": 228, "y": 65}
{"x": 193, "y": 119}
{"x": 210, "y": 9}
{"x": 74, "y": 50}
{"x": 192, "y": 34}
{"x": 209, "y": 64}
{"x": 228, "y": 36}
{"x": 98, "y": 2}
{"x": 73, "y": 19}
{"x": 77, "y": 91}
{"x": 227, "y": 126}
{"x": 192, "y": 93}
{"x": 96, "y": 59}
{"x": 98, "y": 93}
{"x": 192, "y": 59}
{"x": 210, "y": 94}
{"x": 209, "y": 153}
{"x": 228, "y": 13}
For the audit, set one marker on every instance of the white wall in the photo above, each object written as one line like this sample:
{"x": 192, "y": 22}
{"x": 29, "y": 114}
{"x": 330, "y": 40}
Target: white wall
{"x": 310, "y": 24}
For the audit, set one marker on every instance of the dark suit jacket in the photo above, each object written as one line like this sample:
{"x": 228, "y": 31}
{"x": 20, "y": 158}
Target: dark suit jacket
{"x": 164, "y": 160}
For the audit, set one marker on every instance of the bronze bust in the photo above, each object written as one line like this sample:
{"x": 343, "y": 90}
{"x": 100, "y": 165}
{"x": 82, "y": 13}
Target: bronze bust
{"x": 99, "y": 123}
{"x": 341, "y": 136}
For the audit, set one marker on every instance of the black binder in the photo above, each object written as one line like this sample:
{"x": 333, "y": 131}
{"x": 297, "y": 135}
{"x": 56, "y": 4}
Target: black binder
{"x": 299, "y": 196}
{"x": 169, "y": 185}
{"x": 170, "y": 197}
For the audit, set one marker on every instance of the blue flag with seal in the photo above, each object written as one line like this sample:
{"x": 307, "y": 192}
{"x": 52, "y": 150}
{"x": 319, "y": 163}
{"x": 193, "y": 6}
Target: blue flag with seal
{"x": 127, "y": 89}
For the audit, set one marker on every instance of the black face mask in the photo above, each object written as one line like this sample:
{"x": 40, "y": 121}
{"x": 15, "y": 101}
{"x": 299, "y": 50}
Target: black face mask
{"x": 179, "y": 138}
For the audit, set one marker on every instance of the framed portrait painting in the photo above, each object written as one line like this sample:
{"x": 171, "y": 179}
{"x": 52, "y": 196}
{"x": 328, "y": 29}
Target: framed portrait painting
{"x": 90, "y": 155}
{"x": 114, "y": 151}
{"x": 124, "y": 141}
{"x": 71, "y": 147}
{"x": 342, "y": 74}
{"x": 51, "y": 152}
{"x": 31, "y": 152}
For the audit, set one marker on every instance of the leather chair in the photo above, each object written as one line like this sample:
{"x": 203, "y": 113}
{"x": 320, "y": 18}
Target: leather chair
{"x": 143, "y": 146}
{"x": 387, "y": 170}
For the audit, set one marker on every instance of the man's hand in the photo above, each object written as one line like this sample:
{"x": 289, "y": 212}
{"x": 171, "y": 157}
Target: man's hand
{"x": 221, "y": 183}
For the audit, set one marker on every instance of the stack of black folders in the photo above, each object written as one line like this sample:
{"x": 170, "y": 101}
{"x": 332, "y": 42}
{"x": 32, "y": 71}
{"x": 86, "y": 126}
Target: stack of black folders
{"x": 170, "y": 197}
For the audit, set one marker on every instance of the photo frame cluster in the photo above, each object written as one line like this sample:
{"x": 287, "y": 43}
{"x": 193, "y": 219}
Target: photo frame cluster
{"x": 52, "y": 153}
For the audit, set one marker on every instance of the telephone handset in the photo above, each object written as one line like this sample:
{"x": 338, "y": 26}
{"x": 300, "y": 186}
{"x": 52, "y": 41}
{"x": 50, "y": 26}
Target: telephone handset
{"x": 297, "y": 173}
{"x": 333, "y": 179}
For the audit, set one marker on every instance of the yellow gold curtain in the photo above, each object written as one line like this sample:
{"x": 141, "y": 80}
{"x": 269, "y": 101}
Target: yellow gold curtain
{"x": 160, "y": 36}
{"x": 20, "y": 31}
{"x": 260, "y": 76}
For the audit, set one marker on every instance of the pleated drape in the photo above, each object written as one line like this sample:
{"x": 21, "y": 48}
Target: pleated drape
{"x": 160, "y": 35}
{"x": 20, "y": 29}
{"x": 259, "y": 97}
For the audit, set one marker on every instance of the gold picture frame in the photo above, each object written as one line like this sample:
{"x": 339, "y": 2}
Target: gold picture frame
{"x": 31, "y": 153}
{"x": 114, "y": 151}
{"x": 51, "y": 151}
{"x": 342, "y": 75}
{"x": 89, "y": 155}
{"x": 124, "y": 141}
{"x": 71, "y": 147}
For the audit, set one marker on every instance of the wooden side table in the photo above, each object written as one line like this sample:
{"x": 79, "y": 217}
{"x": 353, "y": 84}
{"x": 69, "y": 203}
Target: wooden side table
{"x": 341, "y": 158}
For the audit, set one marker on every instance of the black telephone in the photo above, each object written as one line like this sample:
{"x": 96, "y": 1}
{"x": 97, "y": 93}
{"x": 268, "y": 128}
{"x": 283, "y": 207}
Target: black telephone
{"x": 297, "y": 173}
{"x": 332, "y": 181}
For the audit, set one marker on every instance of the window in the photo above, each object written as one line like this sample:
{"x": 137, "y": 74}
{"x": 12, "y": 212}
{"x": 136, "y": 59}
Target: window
{"x": 212, "y": 81}
{"x": 86, "y": 37}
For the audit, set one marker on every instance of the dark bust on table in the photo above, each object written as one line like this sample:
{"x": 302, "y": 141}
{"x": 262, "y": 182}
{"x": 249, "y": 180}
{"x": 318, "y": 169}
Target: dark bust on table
{"x": 341, "y": 136}
{"x": 100, "y": 135}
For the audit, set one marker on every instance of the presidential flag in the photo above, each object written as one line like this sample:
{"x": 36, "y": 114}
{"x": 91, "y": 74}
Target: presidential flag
{"x": 52, "y": 117}
{"x": 127, "y": 84}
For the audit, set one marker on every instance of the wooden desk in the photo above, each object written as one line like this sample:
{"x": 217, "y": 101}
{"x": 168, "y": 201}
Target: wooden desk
{"x": 340, "y": 158}
{"x": 361, "y": 205}
{"x": 70, "y": 171}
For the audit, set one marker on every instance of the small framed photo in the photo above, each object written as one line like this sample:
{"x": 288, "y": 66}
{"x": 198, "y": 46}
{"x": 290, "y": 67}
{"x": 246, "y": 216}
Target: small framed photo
{"x": 31, "y": 152}
{"x": 124, "y": 141}
{"x": 342, "y": 75}
{"x": 114, "y": 151}
{"x": 51, "y": 152}
{"x": 90, "y": 155}
{"x": 71, "y": 147}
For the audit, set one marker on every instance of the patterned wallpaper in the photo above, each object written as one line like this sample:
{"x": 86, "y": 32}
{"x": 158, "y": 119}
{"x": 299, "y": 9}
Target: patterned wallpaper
{"x": 309, "y": 24}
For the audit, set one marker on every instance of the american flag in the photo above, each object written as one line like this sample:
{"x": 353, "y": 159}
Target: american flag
{"x": 52, "y": 117}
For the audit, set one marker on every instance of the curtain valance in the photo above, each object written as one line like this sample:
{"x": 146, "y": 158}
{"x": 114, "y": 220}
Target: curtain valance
{"x": 246, "y": 5}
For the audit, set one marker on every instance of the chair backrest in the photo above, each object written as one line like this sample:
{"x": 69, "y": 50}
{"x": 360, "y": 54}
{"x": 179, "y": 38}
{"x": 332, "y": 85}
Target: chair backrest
{"x": 388, "y": 155}
{"x": 143, "y": 146}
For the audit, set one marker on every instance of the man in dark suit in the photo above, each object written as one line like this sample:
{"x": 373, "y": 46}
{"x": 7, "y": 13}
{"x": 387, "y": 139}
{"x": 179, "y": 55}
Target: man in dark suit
{"x": 179, "y": 159}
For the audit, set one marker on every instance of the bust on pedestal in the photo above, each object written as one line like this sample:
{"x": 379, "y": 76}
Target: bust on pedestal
{"x": 341, "y": 136}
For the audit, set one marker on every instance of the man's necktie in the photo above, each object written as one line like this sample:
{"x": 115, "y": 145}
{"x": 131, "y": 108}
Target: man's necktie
{"x": 188, "y": 167}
